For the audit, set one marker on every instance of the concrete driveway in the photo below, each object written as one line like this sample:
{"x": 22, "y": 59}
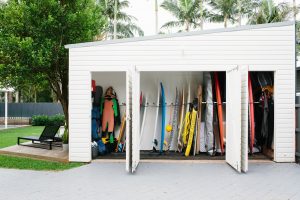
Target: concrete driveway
{"x": 182, "y": 181}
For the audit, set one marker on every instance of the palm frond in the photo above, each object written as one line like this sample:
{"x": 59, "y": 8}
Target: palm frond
{"x": 125, "y": 17}
{"x": 269, "y": 12}
{"x": 172, "y": 7}
{"x": 172, "y": 24}
{"x": 216, "y": 18}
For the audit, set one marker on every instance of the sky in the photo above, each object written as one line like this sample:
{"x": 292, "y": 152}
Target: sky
{"x": 144, "y": 11}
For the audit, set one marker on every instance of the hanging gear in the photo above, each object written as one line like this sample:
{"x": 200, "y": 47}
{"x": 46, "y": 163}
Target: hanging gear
{"x": 110, "y": 112}
{"x": 95, "y": 123}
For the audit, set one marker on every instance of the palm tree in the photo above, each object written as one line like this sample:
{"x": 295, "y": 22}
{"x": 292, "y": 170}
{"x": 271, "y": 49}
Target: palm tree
{"x": 204, "y": 13}
{"x": 245, "y": 9}
{"x": 186, "y": 13}
{"x": 295, "y": 10}
{"x": 120, "y": 24}
{"x": 224, "y": 11}
{"x": 268, "y": 12}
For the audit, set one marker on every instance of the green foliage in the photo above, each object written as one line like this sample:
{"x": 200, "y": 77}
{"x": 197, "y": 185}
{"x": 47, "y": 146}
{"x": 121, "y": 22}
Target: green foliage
{"x": 224, "y": 11}
{"x": 34, "y": 164}
{"x": 269, "y": 12}
{"x": 32, "y": 38}
{"x": 44, "y": 120}
{"x": 65, "y": 137}
{"x": 126, "y": 26}
{"x": 8, "y": 137}
{"x": 187, "y": 13}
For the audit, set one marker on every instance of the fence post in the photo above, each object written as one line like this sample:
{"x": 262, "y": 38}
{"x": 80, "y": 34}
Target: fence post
{"x": 5, "y": 117}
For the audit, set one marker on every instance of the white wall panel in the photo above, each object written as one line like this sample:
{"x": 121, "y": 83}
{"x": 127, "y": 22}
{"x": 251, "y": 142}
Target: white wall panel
{"x": 262, "y": 49}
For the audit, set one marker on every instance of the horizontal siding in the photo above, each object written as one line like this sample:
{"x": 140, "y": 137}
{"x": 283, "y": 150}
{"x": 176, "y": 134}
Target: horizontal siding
{"x": 261, "y": 49}
{"x": 80, "y": 116}
{"x": 284, "y": 124}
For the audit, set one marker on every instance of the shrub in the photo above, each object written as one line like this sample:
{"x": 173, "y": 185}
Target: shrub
{"x": 44, "y": 120}
{"x": 65, "y": 137}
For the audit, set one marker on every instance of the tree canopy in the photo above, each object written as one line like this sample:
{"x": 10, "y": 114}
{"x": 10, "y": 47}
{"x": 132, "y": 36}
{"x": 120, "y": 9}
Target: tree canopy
{"x": 32, "y": 38}
{"x": 186, "y": 12}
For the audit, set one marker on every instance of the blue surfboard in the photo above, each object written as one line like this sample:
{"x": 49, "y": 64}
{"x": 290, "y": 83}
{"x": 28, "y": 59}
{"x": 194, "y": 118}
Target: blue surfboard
{"x": 163, "y": 117}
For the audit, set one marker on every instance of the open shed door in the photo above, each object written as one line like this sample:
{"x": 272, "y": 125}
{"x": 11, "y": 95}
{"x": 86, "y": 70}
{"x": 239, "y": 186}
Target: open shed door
{"x": 135, "y": 120}
{"x": 244, "y": 117}
{"x": 128, "y": 121}
{"x": 236, "y": 118}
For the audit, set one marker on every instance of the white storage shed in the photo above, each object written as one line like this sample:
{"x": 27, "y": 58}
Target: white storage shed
{"x": 139, "y": 64}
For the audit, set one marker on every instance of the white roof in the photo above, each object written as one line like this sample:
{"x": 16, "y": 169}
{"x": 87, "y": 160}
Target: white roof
{"x": 182, "y": 34}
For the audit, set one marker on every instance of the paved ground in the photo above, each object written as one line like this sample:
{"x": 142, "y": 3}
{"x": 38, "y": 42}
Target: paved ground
{"x": 154, "y": 181}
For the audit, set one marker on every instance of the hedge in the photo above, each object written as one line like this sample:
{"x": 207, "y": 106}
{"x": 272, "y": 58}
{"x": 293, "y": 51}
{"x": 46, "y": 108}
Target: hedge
{"x": 44, "y": 120}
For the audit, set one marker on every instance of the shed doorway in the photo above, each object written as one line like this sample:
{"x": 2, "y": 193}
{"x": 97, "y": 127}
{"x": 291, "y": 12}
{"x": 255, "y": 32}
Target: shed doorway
{"x": 108, "y": 115}
{"x": 153, "y": 106}
{"x": 261, "y": 114}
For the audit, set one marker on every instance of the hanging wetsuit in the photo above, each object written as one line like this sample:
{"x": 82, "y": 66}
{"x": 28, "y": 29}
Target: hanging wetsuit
{"x": 267, "y": 126}
{"x": 110, "y": 112}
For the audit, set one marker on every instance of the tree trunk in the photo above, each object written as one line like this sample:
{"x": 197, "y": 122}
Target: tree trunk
{"x": 10, "y": 97}
{"x": 240, "y": 13}
{"x": 35, "y": 96}
{"x": 21, "y": 99}
{"x": 201, "y": 15}
{"x": 17, "y": 97}
{"x": 187, "y": 26}
{"x": 65, "y": 108}
{"x": 65, "y": 101}
{"x": 115, "y": 19}
{"x": 225, "y": 21}
{"x": 295, "y": 10}
{"x": 62, "y": 94}
{"x": 156, "y": 17}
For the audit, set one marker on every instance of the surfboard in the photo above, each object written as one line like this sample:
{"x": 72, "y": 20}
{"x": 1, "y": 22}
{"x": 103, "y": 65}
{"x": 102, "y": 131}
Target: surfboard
{"x": 174, "y": 120}
{"x": 199, "y": 119}
{"x": 163, "y": 117}
{"x": 209, "y": 136}
{"x": 190, "y": 128}
{"x": 142, "y": 109}
{"x": 180, "y": 124}
{"x": 154, "y": 140}
{"x": 220, "y": 111}
{"x": 195, "y": 134}
{"x": 121, "y": 134}
{"x": 186, "y": 120}
{"x": 251, "y": 114}
{"x": 144, "y": 117}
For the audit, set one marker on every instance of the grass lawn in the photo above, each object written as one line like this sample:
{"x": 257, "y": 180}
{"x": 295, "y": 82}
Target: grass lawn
{"x": 9, "y": 137}
{"x": 33, "y": 164}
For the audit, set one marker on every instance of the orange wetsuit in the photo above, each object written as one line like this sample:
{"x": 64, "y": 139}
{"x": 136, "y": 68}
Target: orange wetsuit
{"x": 108, "y": 116}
